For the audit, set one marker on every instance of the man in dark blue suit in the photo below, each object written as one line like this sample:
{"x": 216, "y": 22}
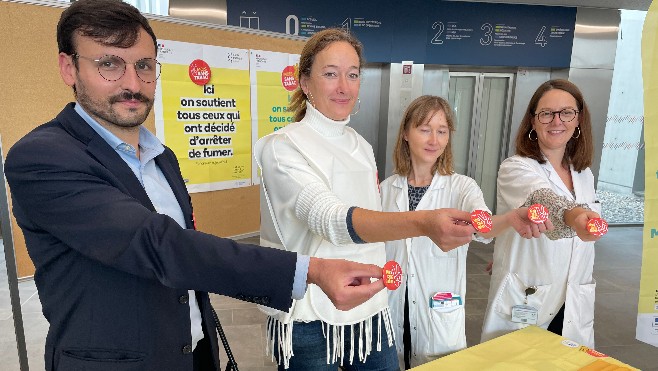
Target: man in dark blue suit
{"x": 122, "y": 275}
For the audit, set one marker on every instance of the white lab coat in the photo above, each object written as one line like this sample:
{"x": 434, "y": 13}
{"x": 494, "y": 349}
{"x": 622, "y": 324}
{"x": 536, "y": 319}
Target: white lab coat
{"x": 428, "y": 270}
{"x": 561, "y": 270}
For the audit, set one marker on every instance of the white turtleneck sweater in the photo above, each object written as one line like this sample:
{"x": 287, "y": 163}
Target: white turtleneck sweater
{"x": 312, "y": 172}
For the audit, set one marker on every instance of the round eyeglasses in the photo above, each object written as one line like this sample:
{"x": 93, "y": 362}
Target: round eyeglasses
{"x": 566, "y": 115}
{"x": 112, "y": 67}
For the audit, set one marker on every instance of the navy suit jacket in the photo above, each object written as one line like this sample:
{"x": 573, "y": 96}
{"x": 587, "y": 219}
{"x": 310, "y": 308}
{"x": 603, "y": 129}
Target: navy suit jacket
{"x": 111, "y": 272}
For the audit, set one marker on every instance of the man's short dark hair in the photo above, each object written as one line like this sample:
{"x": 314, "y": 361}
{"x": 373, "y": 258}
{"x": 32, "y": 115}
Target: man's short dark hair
{"x": 109, "y": 22}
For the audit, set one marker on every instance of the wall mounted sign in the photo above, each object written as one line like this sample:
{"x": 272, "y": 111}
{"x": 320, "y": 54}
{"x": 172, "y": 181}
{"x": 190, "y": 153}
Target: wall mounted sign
{"x": 428, "y": 32}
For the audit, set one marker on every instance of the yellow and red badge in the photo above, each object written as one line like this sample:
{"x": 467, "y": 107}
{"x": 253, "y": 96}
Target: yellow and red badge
{"x": 392, "y": 275}
{"x": 537, "y": 213}
{"x": 289, "y": 79}
{"x": 481, "y": 221}
{"x": 597, "y": 226}
{"x": 199, "y": 72}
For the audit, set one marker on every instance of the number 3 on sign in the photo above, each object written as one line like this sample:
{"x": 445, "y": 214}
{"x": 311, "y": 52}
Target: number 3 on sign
{"x": 486, "y": 40}
{"x": 541, "y": 39}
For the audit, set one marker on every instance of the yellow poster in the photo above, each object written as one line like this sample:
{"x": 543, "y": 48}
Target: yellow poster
{"x": 647, "y": 317}
{"x": 202, "y": 112}
{"x": 273, "y": 80}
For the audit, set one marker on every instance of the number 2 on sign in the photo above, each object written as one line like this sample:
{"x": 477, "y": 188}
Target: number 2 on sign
{"x": 541, "y": 39}
{"x": 436, "y": 40}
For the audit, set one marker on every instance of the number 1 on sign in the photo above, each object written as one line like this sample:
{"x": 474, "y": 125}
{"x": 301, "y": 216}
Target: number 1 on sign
{"x": 541, "y": 39}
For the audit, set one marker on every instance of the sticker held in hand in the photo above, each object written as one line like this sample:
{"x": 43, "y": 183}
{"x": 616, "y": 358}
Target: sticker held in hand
{"x": 537, "y": 213}
{"x": 392, "y": 275}
{"x": 481, "y": 221}
{"x": 597, "y": 226}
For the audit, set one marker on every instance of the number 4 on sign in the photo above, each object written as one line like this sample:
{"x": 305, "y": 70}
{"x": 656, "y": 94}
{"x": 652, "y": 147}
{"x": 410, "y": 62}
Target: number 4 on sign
{"x": 541, "y": 39}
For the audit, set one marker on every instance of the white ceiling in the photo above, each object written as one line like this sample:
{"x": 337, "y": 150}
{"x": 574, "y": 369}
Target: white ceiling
{"x": 609, "y": 4}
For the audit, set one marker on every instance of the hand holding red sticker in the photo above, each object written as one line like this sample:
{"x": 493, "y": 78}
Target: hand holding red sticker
{"x": 392, "y": 275}
{"x": 481, "y": 221}
{"x": 597, "y": 226}
{"x": 537, "y": 213}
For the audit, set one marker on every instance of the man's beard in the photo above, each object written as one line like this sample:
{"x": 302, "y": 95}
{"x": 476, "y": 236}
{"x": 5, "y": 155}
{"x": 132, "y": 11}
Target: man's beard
{"x": 106, "y": 112}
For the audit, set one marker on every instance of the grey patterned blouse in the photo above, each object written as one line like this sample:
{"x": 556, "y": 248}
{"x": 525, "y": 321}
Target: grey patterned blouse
{"x": 415, "y": 194}
{"x": 556, "y": 206}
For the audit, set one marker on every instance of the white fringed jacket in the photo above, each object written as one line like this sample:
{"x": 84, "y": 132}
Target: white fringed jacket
{"x": 312, "y": 172}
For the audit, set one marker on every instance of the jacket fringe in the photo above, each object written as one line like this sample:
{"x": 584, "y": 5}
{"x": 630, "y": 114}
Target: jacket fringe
{"x": 279, "y": 336}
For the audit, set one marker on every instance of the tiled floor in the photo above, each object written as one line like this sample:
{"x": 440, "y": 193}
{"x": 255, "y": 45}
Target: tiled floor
{"x": 617, "y": 271}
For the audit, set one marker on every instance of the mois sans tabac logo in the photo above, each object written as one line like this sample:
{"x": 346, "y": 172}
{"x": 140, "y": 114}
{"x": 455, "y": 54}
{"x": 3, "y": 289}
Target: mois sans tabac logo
{"x": 199, "y": 72}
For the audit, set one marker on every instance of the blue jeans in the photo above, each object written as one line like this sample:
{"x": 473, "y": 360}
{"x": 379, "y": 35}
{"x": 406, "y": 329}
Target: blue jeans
{"x": 310, "y": 350}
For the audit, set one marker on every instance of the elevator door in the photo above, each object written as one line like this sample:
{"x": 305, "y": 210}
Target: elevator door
{"x": 481, "y": 104}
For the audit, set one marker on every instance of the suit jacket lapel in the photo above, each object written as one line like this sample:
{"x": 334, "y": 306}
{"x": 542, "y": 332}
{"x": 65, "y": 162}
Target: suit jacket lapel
{"x": 105, "y": 154}
{"x": 177, "y": 185}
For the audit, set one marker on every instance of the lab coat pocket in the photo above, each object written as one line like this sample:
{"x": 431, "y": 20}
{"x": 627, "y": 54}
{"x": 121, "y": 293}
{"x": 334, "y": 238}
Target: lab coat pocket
{"x": 584, "y": 302}
{"x": 446, "y": 332}
{"x": 513, "y": 292}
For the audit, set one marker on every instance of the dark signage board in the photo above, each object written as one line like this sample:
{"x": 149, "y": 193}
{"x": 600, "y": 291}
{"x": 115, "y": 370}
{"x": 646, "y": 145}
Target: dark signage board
{"x": 370, "y": 20}
{"x": 430, "y": 32}
{"x": 500, "y": 34}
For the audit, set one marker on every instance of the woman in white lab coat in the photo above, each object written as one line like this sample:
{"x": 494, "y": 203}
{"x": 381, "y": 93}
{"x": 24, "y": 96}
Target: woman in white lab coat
{"x": 550, "y": 276}
{"x": 424, "y": 179}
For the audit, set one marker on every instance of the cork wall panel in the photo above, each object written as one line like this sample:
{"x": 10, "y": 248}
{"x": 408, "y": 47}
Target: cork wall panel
{"x": 32, "y": 93}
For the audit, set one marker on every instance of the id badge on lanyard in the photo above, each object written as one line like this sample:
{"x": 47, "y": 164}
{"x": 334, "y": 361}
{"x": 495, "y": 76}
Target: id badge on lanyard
{"x": 525, "y": 313}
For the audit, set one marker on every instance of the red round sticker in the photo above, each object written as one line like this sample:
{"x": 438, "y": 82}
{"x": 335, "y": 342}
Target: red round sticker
{"x": 597, "y": 226}
{"x": 538, "y": 213}
{"x": 199, "y": 72}
{"x": 481, "y": 221}
{"x": 392, "y": 275}
{"x": 288, "y": 79}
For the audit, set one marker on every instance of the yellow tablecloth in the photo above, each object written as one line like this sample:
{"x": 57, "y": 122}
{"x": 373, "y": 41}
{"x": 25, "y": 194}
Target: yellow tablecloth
{"x": 531, "y": 348}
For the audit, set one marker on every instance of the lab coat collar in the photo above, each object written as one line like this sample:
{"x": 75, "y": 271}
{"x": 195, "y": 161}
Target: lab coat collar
{"x": 400, "y": 182}
{"x": 554, "y": 177}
